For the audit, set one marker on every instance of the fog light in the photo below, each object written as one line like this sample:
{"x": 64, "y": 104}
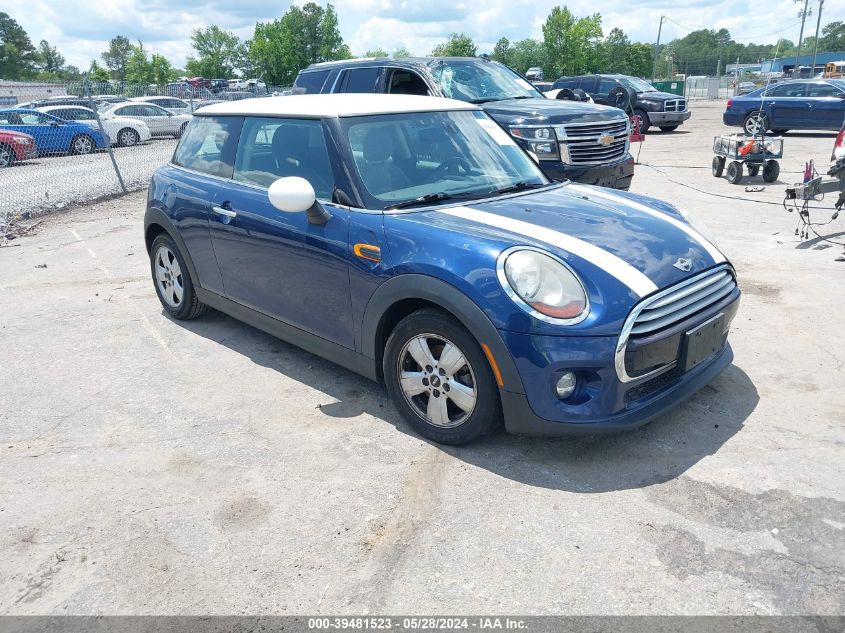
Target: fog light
{"x": 566, "y": 385}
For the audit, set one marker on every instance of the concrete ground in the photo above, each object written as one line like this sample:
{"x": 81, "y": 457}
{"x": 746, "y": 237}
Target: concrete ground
{"x": 149, "y": 466}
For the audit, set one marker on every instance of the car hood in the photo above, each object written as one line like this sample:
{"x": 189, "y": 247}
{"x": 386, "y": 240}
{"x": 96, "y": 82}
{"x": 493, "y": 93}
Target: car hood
{"x": 13, "y": 134}
{"x": 634, "y": 239}
{"x": 658, "y": 96}
{"x": 516, "y": 111}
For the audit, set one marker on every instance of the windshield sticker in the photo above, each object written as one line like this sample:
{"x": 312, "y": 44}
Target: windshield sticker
{"x": 497, "y": 133}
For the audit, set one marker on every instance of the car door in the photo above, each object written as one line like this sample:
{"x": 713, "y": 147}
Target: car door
{"x": 827, "y": 105}
{"x": 278, "y": 263}
{"x": 787, "y": 106}
{"x": 602, "y": 90}
{"x": 51, "y": 133}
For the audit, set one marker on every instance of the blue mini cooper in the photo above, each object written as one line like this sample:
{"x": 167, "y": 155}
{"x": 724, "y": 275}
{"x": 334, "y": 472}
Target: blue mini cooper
{"x": 411, "y": 240}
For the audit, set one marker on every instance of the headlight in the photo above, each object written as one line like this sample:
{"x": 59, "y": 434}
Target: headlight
{"x": 543, "y": 286}
{"x": 539, "y": 140}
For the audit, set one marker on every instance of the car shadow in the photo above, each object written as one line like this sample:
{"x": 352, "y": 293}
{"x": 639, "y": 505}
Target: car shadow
{"x": 658, "y": 452}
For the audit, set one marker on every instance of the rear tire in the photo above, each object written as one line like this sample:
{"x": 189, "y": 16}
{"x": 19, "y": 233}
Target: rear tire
{"x": 718, "y": 166}
{"x": 82, "y": 144}
{"x": 172, "y": 280}
{"x": 771, "y": 170}
{"x": 439, "y": 379}
{"x": 668, "y": 128}
{"x": 756, "y": 123}
{"x": 7, "y": 156}
{"x": 753, "y": 170}
{"x": 127, "y": 137}
{"x": 734, "y": 172}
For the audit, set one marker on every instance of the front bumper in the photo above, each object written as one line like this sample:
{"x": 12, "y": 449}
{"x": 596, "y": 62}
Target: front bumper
{"x": 616, "y": 175}
{"x": 602, "y": 402}
{"x": 668, "y": 118}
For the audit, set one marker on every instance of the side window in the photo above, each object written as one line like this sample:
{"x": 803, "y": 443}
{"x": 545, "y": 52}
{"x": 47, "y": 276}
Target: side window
{"x": 605, "y": 86}
{"x": 127, "y": 111}
{"x": 151, "y": 110}
{"x": 821, "y": 90}
{"x": 208, "y": 145}
{"x": 407, "y": 82}
{"x": 360, "y": 80}
{"x": 310, "y": 83}
{"x": 34, "y": 119}
{"x": 81, "y": 114}
{"x": 788, "y": 90}
{"x": 272, "y": 148}
{"x": 589, "y": 84}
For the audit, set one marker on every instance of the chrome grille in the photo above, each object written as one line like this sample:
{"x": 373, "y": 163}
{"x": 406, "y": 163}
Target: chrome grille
{"x": 671, "y": 306}
{"x": 675, "y": 105}
{"x": 582, "y": 141}
{"x": 674, "y": 306}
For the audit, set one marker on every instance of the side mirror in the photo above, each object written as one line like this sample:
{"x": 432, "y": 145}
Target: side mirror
{"x": 295, "y": 195}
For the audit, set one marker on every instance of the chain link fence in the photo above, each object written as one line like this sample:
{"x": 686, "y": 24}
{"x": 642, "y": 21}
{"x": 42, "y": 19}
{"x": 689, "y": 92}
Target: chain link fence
{"x": 63, "y": 144}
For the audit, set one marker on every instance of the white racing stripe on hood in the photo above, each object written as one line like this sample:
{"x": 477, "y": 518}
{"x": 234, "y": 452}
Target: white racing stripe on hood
{"x": 608, "y": 262}
{"x": 714, "y": 252}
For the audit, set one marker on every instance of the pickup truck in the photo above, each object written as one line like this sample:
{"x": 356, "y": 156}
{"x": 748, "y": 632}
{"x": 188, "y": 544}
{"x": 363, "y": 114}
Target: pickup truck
{"x": 576, "y": 141}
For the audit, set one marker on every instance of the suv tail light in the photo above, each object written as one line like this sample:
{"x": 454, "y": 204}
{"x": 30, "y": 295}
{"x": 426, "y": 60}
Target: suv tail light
{"x": 839, "y": 146}
{"x": 730, "y": 102}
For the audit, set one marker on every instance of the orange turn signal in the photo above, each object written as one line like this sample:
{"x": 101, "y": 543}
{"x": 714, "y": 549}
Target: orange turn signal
{"x": 367, "y": 251}
{"x": 496, "y": 373}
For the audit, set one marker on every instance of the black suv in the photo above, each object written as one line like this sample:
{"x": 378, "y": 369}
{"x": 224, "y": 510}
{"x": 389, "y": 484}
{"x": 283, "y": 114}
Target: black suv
{"x": 572, "y": 140}
{"x": 663, "y": 109}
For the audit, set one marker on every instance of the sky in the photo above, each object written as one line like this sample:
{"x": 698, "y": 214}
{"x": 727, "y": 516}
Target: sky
{"x": 81, "y": 30}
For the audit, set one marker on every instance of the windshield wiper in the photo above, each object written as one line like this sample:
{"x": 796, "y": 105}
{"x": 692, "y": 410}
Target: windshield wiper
{"x": 426, "y": 199}
{"x": 519, "y": 186}
{"x": 484, "y": 100}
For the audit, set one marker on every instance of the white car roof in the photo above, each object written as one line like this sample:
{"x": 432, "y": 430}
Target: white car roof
{"x": 151, "y": 97}
{"x": 335, "y": 105}
{"x": 62, "y": 107}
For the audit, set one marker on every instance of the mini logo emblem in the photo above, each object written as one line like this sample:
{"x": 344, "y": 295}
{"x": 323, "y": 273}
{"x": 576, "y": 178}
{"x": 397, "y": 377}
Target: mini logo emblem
{"x": 683, "y": 264}
{"x": 605, "y": 139}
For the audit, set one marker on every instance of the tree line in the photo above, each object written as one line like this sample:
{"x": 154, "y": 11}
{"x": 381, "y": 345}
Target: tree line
{"x": 279, "y": 48}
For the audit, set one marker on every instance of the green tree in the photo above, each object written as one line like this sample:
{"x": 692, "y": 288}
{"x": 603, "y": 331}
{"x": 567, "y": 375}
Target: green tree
{"x": 161, "y": 69}
{"x": 571, "y": 43}
{"x": 376, "y": 52}
{"x": 117, "y": 56}
{"x": 502, "y": 51}
{"x": 640, "y": 59}
{"x": 302, "y": 36}
{"x": 138, "y": 67}
{"x": 833, "y": 37}
{"x": 217, "y": 53}
{"x": 50, "y": 60}
{"x": 97, "y": 73}
{"x": 401, "y": 52}
{"x": 18, "y": 57}
{"x": 616, "y": 53}
{"x": 527, "y": 53}
{"x": 458, "y": 45}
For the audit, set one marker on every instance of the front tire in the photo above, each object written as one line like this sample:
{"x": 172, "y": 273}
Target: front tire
{"x": 771, "y": 170}
{"x": 127, "y": 137}
{"x": 668, "y": 128}
{"x": 82, "y": 144}
{"x": 756, "y": 123}
{"x": 645, "y": 122}
{"x": 439, "y": 379}
{"x": 734, "y": 172}
{"x": 172, "y": 280}
{"x": 7, "y": 156}
{"x": 717, "y": 167}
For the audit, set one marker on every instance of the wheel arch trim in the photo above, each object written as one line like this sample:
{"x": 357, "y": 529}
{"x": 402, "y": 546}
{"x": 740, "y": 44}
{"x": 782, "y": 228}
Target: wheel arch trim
{"x": 414, "y": 286}
{"x": 156, "y": 217}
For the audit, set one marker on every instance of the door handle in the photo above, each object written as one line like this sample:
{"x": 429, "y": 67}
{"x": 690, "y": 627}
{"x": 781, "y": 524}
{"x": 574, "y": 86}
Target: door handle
{"x": 228, "y": 213}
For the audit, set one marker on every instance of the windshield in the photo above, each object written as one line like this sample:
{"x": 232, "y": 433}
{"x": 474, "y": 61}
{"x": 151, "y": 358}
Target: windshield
{"x": 401, "y": 158}
{"x": 639, "y": 85}
{"x": 477, "y": 82}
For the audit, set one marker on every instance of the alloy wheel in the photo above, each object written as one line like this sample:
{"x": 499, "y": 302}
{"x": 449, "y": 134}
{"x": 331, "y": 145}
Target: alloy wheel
{"x": 755, "y": 124}
{"x": 169, "y": 277}
{"x": 128, "y": 138}
{"x": 437, "y": 380}
{"x": 82, "y": 145}
{"x": 5, "y": 156}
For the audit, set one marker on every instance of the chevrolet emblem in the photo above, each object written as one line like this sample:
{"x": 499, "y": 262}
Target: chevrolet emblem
{"x": 605, "y": 139}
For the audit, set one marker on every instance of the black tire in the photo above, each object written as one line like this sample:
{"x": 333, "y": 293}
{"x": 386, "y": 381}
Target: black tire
{"x": 734, "y": 172}
{"x": 82, "y": 144}
{"x": 188, "y": 306}
{"x": 127, "y": 137}
{"x": 756, "y": 123}
{"x": 580, "y": 95}
{"x": 181, "y": 130}
{"x": 771, "y": 170}
{"x": 565, "y": 94}
{"x": 622, "y": 98}
{"x": 475, "y": 374}
{"x": 753, "y": 170}
{"x": 668, "y": 128}
{"x": 645, "y": 122}
{"x": 779, "y": 132}
{"x": 7, "y": 156}
{"x": 718, "y": 166}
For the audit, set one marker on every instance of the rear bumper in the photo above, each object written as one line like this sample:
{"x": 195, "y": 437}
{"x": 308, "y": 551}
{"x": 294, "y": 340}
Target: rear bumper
{"x": 668, "y": 118}
{"x": 733, "y": 119}
{"x": 616, "y": 175}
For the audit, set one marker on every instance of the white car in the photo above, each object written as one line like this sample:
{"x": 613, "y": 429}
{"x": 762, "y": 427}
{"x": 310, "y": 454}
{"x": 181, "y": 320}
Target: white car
{"x": 553, "y": 94}
{"x": 171, "y": 104}
{"x": 160, "y": 121}
{"x": 122, "y": 131}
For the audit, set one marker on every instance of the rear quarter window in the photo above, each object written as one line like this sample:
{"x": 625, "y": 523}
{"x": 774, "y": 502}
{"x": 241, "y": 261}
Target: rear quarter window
{"x": 310, "y": 83}
{"x": 208, "y": 145}
{"x": 360, "y": 80}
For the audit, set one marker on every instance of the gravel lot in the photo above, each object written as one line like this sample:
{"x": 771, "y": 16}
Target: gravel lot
{"x": 150, "y": 466}
{"x": 55, "y": 182}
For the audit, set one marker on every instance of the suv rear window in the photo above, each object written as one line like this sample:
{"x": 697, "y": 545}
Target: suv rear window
{"x": 310, "y": 83}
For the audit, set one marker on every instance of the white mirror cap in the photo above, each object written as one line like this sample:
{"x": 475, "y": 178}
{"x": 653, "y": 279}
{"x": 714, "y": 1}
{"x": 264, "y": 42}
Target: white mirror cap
{"x": 292, "y": 194}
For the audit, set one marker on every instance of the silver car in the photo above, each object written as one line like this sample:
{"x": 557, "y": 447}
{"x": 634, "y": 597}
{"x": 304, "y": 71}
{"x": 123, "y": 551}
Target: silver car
{"x": 171, "y": 104}
{"x": 160, "y": 121}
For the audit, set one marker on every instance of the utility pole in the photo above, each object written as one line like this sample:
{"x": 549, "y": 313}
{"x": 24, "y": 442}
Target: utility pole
{"x": 816, "y": 43}
{"x": 800, "y": 38}
{"x": 657, "y": 48}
